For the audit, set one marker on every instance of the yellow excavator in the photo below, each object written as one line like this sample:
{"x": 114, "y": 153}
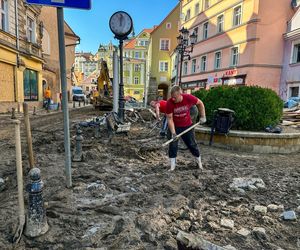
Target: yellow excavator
{"x": 102, "y": 98}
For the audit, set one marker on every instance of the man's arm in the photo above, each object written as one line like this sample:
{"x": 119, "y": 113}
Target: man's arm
{"x": 157, "y": 111}
{"x": 171, "y": 124}
{"x": 201, "y": 109}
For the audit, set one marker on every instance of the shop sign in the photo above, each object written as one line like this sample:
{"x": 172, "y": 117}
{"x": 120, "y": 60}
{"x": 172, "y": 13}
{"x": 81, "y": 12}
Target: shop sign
{"x": 194, "y": 85}
{"x": 234, "y": 81}
{"x": 231, "y": 72}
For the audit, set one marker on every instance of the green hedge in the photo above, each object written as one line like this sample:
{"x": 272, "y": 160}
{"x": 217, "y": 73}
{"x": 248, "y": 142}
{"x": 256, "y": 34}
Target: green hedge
{"x": 255, "y": 107}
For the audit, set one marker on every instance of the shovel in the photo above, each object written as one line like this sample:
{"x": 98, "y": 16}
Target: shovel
{"x": 179, "y": 135}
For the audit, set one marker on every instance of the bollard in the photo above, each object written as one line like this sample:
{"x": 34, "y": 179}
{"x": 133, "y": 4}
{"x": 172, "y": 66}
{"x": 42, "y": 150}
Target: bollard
{"x": 84, "y": 102}
{"x": 73, "y": 104}
{"x": 78, "y": 156}
{"x": 34, "y": 110}
{"x": 79, "y": 103}
{"x": 13, "y": 113}
{"x": 36, "y": 221}
{"x": 19, "y": 108}
{"x": 97, "y": 128}
{"x": 58, "y": 106}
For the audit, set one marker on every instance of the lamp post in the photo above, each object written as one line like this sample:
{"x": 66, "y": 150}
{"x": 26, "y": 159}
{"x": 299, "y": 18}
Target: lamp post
{"x": 183, "y": 48}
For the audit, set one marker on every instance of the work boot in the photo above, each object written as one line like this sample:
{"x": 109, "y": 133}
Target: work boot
{"x": 198, "y": 159}
{"x": 173, "y": 164}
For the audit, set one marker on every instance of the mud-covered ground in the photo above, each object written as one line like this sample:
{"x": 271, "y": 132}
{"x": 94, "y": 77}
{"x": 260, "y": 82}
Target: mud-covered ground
{"x": 124, "y": 197}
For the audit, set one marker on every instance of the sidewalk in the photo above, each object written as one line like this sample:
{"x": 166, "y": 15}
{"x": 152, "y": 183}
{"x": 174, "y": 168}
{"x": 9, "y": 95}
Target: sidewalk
{"x": 4, "y": 117}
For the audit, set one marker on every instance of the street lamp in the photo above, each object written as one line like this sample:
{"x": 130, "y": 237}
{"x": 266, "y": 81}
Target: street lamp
{"x": 184, "y": 48}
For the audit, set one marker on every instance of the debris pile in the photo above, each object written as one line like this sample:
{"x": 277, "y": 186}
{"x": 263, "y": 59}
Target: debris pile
{"x": 291, "y": 117}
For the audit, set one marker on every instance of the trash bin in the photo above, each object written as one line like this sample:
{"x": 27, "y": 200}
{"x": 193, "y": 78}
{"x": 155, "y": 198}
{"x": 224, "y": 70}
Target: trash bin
{"x": 222, "y": 122}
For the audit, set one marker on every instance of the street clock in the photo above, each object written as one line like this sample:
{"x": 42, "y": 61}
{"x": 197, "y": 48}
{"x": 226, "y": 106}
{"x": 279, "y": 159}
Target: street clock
{"x": 121, "y": 24}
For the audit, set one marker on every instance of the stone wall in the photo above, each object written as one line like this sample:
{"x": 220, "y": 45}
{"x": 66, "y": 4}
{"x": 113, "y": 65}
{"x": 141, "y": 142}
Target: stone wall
{"x": 255, "y": 142}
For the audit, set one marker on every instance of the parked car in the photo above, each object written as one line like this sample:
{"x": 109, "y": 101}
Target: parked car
{"x": 130, "y": 99}
{"x": 78, "y": 94}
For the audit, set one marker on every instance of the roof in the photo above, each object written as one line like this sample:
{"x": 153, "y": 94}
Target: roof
{"x": 131, "y": 43}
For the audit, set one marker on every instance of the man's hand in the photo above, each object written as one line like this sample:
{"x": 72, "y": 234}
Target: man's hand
{"x": 202, "y": 120}
{"x": 174, "y": 137}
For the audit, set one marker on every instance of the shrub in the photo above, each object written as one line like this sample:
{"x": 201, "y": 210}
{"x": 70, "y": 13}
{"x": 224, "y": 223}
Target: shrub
{"x": 255, "y": 107}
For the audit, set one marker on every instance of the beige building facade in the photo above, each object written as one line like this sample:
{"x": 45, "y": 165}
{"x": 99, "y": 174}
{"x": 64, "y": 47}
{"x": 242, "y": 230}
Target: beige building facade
{"x": 51, "y": 68}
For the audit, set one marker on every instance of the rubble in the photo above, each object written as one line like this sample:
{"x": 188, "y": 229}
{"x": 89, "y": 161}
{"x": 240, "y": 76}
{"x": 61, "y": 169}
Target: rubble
{"x": 125, "y": 198}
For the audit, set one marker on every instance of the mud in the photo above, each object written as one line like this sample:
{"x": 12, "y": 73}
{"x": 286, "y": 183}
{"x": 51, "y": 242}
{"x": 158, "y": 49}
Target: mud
{"x": 124, "y": 197}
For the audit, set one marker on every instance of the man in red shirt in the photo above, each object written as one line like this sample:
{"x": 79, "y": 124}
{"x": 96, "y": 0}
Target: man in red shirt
{"x": 160, "y": 107}
{"x": 179, "y": 119}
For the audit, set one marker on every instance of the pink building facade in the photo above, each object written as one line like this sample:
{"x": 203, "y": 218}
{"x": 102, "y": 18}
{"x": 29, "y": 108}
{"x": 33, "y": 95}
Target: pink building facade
{"x": 238, "y": 42}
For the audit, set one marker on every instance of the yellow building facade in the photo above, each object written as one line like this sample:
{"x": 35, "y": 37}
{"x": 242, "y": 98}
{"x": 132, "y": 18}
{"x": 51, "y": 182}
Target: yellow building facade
{"x": 20, "y": 56}
{"x": 163, "y": 41}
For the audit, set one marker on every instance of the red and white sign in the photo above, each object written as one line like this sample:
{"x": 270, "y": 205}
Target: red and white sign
{"x": 231, "y": 72}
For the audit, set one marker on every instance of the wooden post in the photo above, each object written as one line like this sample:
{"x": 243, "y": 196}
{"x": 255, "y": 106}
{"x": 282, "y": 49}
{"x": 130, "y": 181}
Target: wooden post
{"x": 28, "y": 135}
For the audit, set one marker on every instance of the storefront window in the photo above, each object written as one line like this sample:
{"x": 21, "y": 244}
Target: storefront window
{"x": 30, "y": 85}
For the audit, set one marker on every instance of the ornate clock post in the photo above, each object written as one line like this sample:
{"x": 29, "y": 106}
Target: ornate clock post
{"x": 121, "y": 25}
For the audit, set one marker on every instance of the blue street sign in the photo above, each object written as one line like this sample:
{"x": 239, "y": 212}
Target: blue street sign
{"x": 78, "y": 4}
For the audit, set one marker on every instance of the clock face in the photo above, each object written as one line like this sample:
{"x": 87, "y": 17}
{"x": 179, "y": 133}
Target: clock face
{"x": 120, "y": 24}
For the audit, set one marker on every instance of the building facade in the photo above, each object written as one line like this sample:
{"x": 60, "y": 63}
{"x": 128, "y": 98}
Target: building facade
{"x": 135, "y": 65}
{"x": 20, "y": 54}
{"x": 163, "y": 42}
{"x": 290, "y": 77}
{"x": 239, "y": 42}
{"x": 51, "y": 67}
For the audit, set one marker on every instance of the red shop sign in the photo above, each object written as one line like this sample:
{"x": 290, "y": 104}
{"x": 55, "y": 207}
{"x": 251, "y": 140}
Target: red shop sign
{"x": 231, "y": 72}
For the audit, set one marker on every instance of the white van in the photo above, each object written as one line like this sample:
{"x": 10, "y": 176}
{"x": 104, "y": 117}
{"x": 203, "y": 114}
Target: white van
{"x": 78, "y": 94}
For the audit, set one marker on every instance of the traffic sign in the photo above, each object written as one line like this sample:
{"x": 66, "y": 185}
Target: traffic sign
{"x": 78, "y": 4}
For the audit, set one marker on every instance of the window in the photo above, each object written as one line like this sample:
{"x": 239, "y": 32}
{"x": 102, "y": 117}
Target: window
{"x": 206, "y": 4}
{"x": 4, "y": 15}
{"x": 203, "y": 63}
{"x": 136, "y": 67}
{"x": 197, "y": 9}
{"x": 185, "y": 68}
{"x": 168, "y": 26}
{"x": 30, "y": 85}
{"x": 136, "y": 54}
{"x": 296, "y": 54}
{"x": 234, "y": 56}
{"x": 136, "y": 80}
{"x": 163, "y": 66}
{"x": 188, "y": 15}
{"x": 164, "y": 44}
{"x": 218, "y": 60}
{"x": 194, "y": 64}
{"x": 205, "y": 30}
{"x": 196, "y": 33}
{"x": 30, "y": 30}
{"x": 237, "y": 16}
{"x": 220, "y": 23}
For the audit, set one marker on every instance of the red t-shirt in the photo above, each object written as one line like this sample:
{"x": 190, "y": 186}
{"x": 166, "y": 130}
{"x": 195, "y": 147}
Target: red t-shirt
{"x": 162, "y": 106}
{"x": 181, "y": 110}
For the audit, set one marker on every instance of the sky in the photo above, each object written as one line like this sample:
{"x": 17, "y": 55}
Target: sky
{"x": 92, "y": 25}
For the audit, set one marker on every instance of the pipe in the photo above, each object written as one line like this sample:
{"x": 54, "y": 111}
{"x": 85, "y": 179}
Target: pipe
{"x": 63, "y": 79}
{"x": 21, "y": 211}
{"x": 17, "y": 47}
{"x": 115, "y": 82}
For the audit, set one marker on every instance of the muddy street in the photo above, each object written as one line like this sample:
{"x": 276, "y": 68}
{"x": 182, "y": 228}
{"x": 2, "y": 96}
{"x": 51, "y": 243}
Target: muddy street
{"x": 124, "y": 197}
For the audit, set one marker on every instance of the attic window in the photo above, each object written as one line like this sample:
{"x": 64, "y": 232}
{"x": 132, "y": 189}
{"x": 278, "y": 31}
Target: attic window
{"x": 168, "y": 26}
